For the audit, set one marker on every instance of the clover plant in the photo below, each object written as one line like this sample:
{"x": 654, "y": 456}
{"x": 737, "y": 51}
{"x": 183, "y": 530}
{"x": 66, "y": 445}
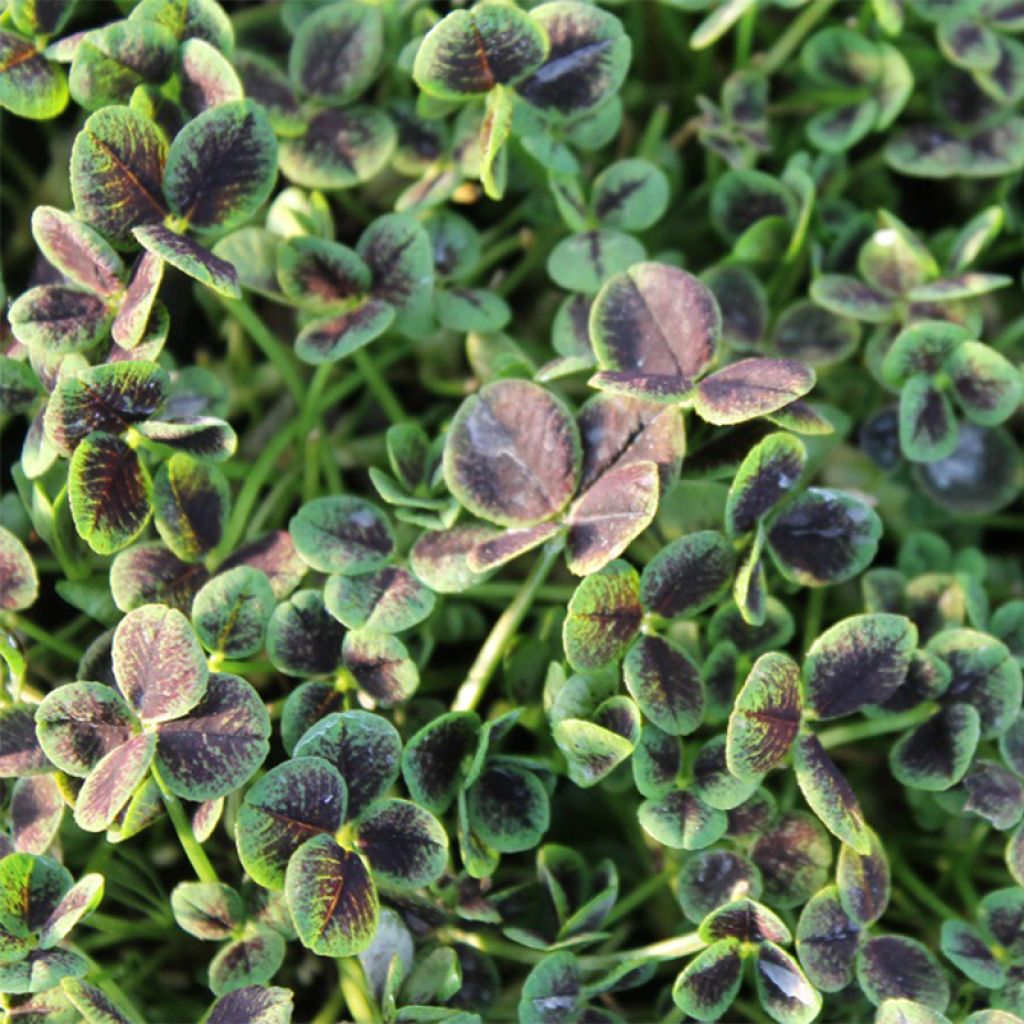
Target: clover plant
{"x": 511, "y": 511}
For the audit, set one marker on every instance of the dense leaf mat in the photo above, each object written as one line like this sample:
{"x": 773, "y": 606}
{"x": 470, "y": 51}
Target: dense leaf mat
{"x": 512, "y": 511}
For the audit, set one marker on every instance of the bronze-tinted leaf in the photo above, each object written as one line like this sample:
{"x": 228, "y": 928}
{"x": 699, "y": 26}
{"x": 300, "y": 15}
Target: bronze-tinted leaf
{"x": 586, "y": 63}
{"x": 751, "y": 387}
{"x": 117, "y": 166}
{"x": 860, "y": 661}
{"x": 513, "y": 454}
{"x": 829, "y": 795}
{"x": 222, "y": 166}
{"x": 655, "y": 319}
{"x": 766, "y": 717}
{"x": 610, "y": 515}
{"x": 216, "y": 747}
{"x": 110, "y": 493}
{"x": 332, "y": 898}
{"x": 827, "y": 941}
{"x": 604, "y": 616}
{"x": 824, "y": 537}
{"x": 150, "y": 574}
{"x": 665, "y": 683}
{"x": 895, "y": 967}
{"x": 108, "y": 398}
{"x": 159, "y": 665}
{"x": 616, "y": 430}
{"x": 688, "y": 575}
{"x": 470, "y": 52}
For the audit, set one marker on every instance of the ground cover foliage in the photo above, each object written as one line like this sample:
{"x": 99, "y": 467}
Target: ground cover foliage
{"x": 512, "y": 511}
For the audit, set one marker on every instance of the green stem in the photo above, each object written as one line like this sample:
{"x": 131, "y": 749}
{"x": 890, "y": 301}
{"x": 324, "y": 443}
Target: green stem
{"x": 101, "y": 978}
{"x": 654, "y": 132}
{"x": 1010, "y": 335}
{"x": 48, "y": 640}
{"x": 266, "y": 465}
{"x": 1003, "y": 522}
{"x": 28, "y": 177}
{"x": 745, "y": 35}
{"x": 310, "y": 431}
{"x": 841, "y": 735}
{"x": 472, "y": 689}
{"x": 110, "y": 923}
{"x": 791, "y": 39}
{"x": 379, "y": 386}
{"x": 328, "y": 464}
{"x": 356, "y": 991}
{"x": 496, "y": 254}
{"x": 354, "y": 382}
{"x": 263, "y": 469}
{"x": 73, "y": 568}
{"x": 241, "y": 668}
{"x": 331, "y": 1010}
{"x": 504, "y": 227}
{"x": 270, "y": 345}
{"x": 179, "y": 819}
{"x": 531, "y": 259}
{"x": 963, "y": 871}
{"x": 815, "y": 608}
{"x": 920, "y": 891}
{"x": 280, "y": 494}
{"x": 670, "y": 949}
{"x": 639, "y": 896}
{"x": 503, "y": 590}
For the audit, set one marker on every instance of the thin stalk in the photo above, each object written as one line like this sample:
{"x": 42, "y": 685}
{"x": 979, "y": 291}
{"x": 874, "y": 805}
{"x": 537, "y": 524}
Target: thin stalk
{"x": 77, "y": 624}
{"x": 353, "y": 382}
{"x": 52, "y": 643}
{"x": 496, "y": 254}
{"x": 1010, "y": 335}
{"x": 472, "y": 689}
{"x": 101, "y": 977}
{"x": 502, "y": 228}
{"x": 331, "y": 1010}
{"x": 669, "y": 949}
{"x": 920, "y": 891}
{"x": 530, "y": 261}
{"x": 639, "y": 896}
{"x": 745, "y": 35}
{"x": 504, "y": 590}
{"x": 265, "y": 465}
{"x": 261, "y": 472}
{"x": 330, "y": 468}
{"x": 787, "y": 44}
{"x": 354, "y": 988}
{"x": 378, "y": 386}
{"x": 841, "y": 735}
{"x": 1003, "y": 522}
{"x": 963, "y": 872}
{"x": 111, "y": 923}
{"x": 280, "y": 493}
{"x": 654, "y": 132}
{"x": 815, "y": 608}
{"x": 179, "y": 819}
{"x": 251, "y": 18}
{"x": 310, "y": 432}
{"x": 689, "y": 128}
{"x": 241, "y": 668}
{"x": 73, "y": 568}
{"x": 270, "y": 345}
